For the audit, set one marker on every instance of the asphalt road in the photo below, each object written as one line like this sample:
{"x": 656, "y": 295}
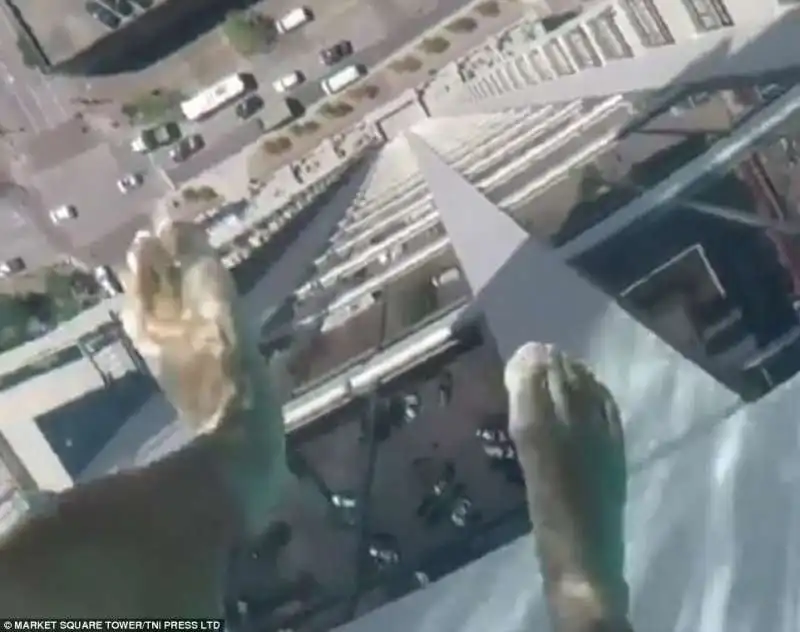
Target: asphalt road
{"x": 238, "y": 136}
{"x": 29, "y": 101}
{"x": 376, "y": 28}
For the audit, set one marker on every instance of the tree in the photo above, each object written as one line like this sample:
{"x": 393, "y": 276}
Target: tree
{"x": 203, "y": 193}
{"x": 336, "y": 109}
{"x": 463, "y": 24}
{"x": 153, "y": 107}
{"x": 409, "y": 63}
{"x": 488, "y": 9}
{"x": 434, "y": 45}
{"x": 278, "y": 145}
{"x": 248, "y": 33}
{"x": 364, "y": 92}
{"x": 305, "y": 127}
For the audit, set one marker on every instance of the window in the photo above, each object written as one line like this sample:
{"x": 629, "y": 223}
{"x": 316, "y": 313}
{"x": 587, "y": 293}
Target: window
{"x": 540, "y": 65}
{"x": 523, "y": 68}
{"x": 608, "y": 36}
{"x": 558, "y": 58}
{"x": 647, "y": 22}
{"x": 708, "y": 15}
{"x": 580, "y": 46}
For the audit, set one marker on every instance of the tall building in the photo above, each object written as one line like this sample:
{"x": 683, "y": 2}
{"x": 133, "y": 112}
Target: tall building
{"x": 632, "y": 200}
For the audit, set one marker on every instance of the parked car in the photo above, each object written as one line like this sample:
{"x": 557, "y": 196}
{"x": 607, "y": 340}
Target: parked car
{"x": 130, "y": 181}
{"x": 334, "y": 54}
{"x": 123, "y": 8}
{"x": 12, "y": 266}
{"x": 102, "y": 14}
{"x": 288, "y": 82}
{"x": 63, "y": 213}
{"x": 294, "y": 19}
{"x": 249, "y": 106}
{"x": 107, "y": 280}
{"x": 412, "y": 404}
{"x": 152, "y": 138}
{"x": 186, "y": 147}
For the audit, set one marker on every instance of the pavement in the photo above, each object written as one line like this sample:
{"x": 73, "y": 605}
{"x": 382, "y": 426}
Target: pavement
{"x": 29, "y": 101}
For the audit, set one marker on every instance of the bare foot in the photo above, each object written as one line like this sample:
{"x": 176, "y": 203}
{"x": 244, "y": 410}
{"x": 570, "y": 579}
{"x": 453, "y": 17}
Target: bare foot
{"x": 567, "y": 430}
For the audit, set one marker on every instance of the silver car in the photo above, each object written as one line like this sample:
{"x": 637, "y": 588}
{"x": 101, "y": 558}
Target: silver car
{"x": 130, "y": 181}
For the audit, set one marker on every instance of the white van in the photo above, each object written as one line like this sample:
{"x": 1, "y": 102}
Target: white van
{"x": 294, "y": 19}
{"x": 344, "y": 78}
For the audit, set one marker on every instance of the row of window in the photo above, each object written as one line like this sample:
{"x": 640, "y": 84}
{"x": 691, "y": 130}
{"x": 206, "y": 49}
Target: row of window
{"x": 707, "y": 15}
{"x": 582, "y": 53}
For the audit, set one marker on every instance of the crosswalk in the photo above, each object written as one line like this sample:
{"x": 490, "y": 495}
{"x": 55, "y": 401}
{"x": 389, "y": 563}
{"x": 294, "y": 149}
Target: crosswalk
{"x": 29, "y": 100}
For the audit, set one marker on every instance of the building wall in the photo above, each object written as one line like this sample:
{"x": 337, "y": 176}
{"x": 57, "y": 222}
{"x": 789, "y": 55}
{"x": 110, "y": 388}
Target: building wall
{"x": 636, "y": 45}
{"x": 59, "y": 420}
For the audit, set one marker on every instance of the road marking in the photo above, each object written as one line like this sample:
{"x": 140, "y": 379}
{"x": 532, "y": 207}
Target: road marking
{"x": 44, "y": 112}
{"x": 26, "y": 112}
{"x": 31, "y": 88}
{"x": 55, "y": 98}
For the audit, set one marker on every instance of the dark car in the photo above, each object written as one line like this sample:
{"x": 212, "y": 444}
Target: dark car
{"x": 249, "y": 106}
{"x": 12, "y": 266}
{"x": 157, "y": 136}
{"x": 144, "y": 5}
{"x": 334, "y": 54}
{"x": 121, "y": 7}
{"x": 102, "y": 14}
{"x": 186, "y": 147}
